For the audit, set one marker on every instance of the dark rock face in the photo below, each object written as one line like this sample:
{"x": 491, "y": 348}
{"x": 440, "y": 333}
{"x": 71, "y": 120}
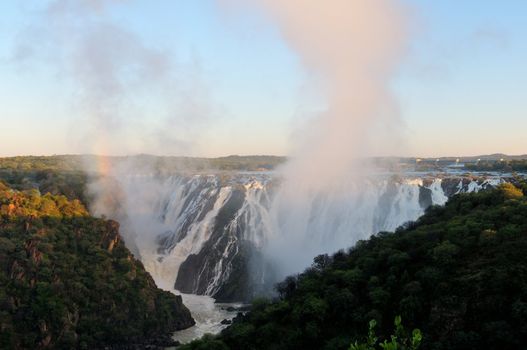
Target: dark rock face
{"x": 425, "y": 197}
{"x": 451, "y": 185}
{"x": 201, "y": 193}
{"x": 462, "y": 184}
{"x": 198, "y": 270}
{"x": 225, "y": 259}
{"x": 185, "y": 319}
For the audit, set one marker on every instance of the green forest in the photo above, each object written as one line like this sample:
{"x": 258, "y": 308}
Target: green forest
{"x": 519, "y": 165}
{"x": 68, "y": 281}
{"x": 458, "y": 274}
{"x": 73, "y": 163}
{"x": 69, "y": 175}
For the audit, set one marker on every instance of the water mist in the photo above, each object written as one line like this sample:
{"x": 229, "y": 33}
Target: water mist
{"x": 351, "y": 50}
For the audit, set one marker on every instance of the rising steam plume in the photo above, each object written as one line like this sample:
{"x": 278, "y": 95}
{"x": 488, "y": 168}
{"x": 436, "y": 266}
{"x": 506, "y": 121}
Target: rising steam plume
{"x": 351, "y": 49}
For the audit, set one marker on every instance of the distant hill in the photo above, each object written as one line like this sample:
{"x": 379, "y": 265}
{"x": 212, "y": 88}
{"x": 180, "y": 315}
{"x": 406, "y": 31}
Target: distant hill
{"x": 494, "y": 156}
{"x": 68, "y": 174}
{"x": 90, "y": 162}
{"x": 73, "y": 163}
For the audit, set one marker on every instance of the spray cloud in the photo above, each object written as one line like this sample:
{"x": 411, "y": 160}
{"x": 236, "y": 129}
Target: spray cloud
{"x": 351, "y": 48}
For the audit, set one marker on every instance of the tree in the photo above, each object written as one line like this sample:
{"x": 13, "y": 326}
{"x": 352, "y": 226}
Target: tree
{"x": 400, "y": 340}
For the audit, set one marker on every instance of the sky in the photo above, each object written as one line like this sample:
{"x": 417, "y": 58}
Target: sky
{"x": 461, "y": 86}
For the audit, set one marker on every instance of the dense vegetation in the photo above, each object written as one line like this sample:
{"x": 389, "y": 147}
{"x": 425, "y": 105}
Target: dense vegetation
{"x": 69, "y": 174}
{"x": 499, "y": 165}
{"x": 58, "y": 175}
{"x": 459, "y": 274}
{"x": 399, "y": 340}
{"x": 36, "y": 163}
{"x": 67, "y": 280}
{"x": 70, "y": 163}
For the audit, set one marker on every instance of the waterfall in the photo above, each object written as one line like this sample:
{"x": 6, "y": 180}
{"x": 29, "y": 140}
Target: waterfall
{"x": 229, "y": 235}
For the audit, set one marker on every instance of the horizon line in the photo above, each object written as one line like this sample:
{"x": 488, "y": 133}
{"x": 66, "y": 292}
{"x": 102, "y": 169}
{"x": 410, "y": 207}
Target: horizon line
{"x": 524, "y": 155}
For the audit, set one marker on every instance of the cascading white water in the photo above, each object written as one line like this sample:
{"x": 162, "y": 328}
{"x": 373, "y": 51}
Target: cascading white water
{"x": 438, "y": 195}
{"x": 194, "y": 232}
{"x": 328, "y": 221}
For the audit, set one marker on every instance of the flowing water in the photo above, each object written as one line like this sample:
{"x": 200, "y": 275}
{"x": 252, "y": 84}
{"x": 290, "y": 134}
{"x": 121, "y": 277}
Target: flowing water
{"x": 200, "y": 233}
{"x": 231, "y": 236}
{"x": 207, "y": 314}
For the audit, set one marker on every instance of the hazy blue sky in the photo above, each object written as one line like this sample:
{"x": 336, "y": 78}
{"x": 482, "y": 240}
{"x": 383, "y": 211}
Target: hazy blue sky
{"x": 462, "y": 86}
